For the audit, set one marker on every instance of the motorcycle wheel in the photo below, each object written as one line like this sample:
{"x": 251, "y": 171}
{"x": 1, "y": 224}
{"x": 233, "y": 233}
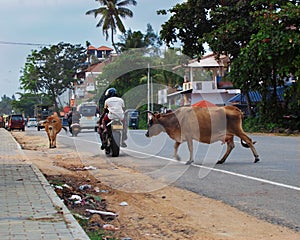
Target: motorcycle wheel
{"x": 75, "y": 131}
{"x": 115, "y": 144}
{"x": 74, "y": 134}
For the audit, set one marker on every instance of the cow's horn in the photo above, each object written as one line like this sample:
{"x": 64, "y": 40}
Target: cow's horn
{"x": 148, "y": 111}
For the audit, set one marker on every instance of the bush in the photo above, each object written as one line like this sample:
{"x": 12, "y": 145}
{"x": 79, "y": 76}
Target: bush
{"x": 257, "y": 124}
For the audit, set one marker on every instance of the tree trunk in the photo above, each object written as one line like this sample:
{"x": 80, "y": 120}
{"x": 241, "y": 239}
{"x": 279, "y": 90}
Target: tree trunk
{"x": 112, "y": 41}
{"x": 56, "y": 109}
{"x": 249, "y": 103}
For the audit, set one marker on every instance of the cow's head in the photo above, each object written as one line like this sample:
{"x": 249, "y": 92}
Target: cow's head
{"x": 154, "y": 125}
{"x": 52, "y": 122}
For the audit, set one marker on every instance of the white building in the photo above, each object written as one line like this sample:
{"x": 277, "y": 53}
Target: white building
{"x": 204, "y": 80}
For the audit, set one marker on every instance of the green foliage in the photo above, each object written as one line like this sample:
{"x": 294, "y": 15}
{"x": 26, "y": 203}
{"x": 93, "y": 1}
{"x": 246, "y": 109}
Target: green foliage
{"x": 129, "y": 75}
{"x": 6, "y": 105}
{"x": 94, "y": 234}
{"x": 261, "y": 37}
{"x": 188, "y": 24}
{"x": 254, "y": 124}
{"x": 258, "y": 124}
{"x": 50, "y": 71}
{"x": 136, "y": 39}
{"x": 26, "y": 102}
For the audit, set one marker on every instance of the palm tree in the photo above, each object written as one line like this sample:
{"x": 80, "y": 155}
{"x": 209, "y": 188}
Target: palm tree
{"x": 111, "y": 13}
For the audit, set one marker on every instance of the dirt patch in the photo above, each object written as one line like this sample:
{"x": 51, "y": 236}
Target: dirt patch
{"x": 167, "y": 213}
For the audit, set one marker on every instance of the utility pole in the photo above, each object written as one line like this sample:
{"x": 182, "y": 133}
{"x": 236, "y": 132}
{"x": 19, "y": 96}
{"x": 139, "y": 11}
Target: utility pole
{"x": 148, "y": 88}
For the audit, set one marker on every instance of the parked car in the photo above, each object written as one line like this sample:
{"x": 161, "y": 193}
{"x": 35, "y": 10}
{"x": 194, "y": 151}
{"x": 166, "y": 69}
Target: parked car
{"x": 16, "y": 121}
{"x": 32, "y": 122}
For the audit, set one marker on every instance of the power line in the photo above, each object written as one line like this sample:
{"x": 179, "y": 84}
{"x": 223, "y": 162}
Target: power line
{"x": 23, "y": 43}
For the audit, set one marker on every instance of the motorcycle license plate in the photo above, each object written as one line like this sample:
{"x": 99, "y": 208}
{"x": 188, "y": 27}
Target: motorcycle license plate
{"x": 117, "y": 127}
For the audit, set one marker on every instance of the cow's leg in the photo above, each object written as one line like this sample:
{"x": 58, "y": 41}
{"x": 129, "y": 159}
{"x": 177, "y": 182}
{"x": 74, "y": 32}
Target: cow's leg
{"x": 230, "y": 146}
{"x": 54, "y": 141}
{"x": 249, "y": 142}
{"x": 49, "y": 139}
{"x": 51, "y": 142}
{"x": 190, "y": 146}
{"x": 176, "y": 146}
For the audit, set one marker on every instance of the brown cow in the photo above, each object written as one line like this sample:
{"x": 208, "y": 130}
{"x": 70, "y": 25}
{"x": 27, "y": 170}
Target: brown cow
{"x": 53, "y": 126}
{"x": 207, "y": 125}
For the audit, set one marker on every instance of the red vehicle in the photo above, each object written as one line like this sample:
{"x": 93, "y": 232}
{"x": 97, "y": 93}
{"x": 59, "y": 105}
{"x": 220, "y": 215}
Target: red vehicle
{"x": 16, "y": 121}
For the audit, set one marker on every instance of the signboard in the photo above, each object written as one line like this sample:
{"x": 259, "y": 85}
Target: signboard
{"x": 162, "y": 96}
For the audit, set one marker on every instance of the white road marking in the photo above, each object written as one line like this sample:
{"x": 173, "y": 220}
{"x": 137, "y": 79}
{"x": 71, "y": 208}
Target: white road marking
{"x": 225, "y": 172}
{"x": 209, "y": 168}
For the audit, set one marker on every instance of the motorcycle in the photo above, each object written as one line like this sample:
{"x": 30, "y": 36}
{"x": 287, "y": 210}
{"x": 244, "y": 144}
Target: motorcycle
{"x": 113, "y": 137}
{"x": 75, "y": 127}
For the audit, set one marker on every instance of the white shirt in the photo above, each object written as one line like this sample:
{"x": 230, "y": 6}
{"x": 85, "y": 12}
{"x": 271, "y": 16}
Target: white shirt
{"x": 115, "y": 107}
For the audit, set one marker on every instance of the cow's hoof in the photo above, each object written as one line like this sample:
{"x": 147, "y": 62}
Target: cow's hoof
{"x": 256, "y": 160}
{"x": 220, "y": 162}
{"x": 189, "y": 162}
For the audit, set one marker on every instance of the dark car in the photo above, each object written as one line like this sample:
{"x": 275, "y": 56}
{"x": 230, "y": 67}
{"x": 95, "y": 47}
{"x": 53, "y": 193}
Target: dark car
{"x": 134, "y": 120}
{"x": 16, "y": 121}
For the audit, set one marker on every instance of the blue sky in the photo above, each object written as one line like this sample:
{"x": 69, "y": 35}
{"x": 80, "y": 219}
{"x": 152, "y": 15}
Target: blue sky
{"x": 54, "y": 21}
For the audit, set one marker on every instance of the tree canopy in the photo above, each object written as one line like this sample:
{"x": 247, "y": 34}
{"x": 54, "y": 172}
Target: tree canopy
{"x": 50, "y": 71}
{"x": 136, "y": 39}
{"x": 260, "y": 37}
{"x": 6, "y": 105}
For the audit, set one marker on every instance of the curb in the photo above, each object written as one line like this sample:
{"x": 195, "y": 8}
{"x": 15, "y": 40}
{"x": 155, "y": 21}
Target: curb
{"x": 74, "y": 227}
{"x": 71, "y": 223}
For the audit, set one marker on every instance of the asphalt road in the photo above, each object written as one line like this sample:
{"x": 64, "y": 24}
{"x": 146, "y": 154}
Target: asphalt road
{"x": 269, "y": 189}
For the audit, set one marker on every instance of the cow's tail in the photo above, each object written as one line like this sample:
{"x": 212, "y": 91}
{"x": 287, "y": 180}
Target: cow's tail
{"x": 64, "y": 128}
{"x": 244, "y": 144}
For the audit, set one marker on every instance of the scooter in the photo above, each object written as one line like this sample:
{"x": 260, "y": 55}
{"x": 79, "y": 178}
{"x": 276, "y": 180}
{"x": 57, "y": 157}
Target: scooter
{"x": 113, "y": 137}
{"x": 75, "y": 127}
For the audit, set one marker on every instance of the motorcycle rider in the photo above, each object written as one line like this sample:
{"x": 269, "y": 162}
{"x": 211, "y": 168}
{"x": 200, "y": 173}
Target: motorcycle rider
{"x": 114, "y": 107}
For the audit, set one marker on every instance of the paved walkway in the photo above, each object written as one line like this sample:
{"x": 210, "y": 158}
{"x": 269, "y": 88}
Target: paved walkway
{"x": 29, "y": 207}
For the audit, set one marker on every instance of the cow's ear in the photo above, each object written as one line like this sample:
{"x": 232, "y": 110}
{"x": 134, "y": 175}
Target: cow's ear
{"x": 158, "y": 115}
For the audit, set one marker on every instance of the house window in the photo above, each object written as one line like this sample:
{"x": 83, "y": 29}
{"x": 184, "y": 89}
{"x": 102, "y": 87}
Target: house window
{"x": 199, "y": 86}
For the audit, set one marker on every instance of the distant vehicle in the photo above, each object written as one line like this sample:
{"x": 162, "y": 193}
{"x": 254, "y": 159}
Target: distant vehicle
{"x": 41, "y": 112}
{"x": 88, "y": 118}
{"x": 134, "y": 120}
{"x": 16, "y": 121}
{"x": 32, "y": 122}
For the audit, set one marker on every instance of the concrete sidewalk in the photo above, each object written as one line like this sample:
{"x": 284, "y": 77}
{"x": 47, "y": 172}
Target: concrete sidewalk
{"x": 29, "y": 207}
